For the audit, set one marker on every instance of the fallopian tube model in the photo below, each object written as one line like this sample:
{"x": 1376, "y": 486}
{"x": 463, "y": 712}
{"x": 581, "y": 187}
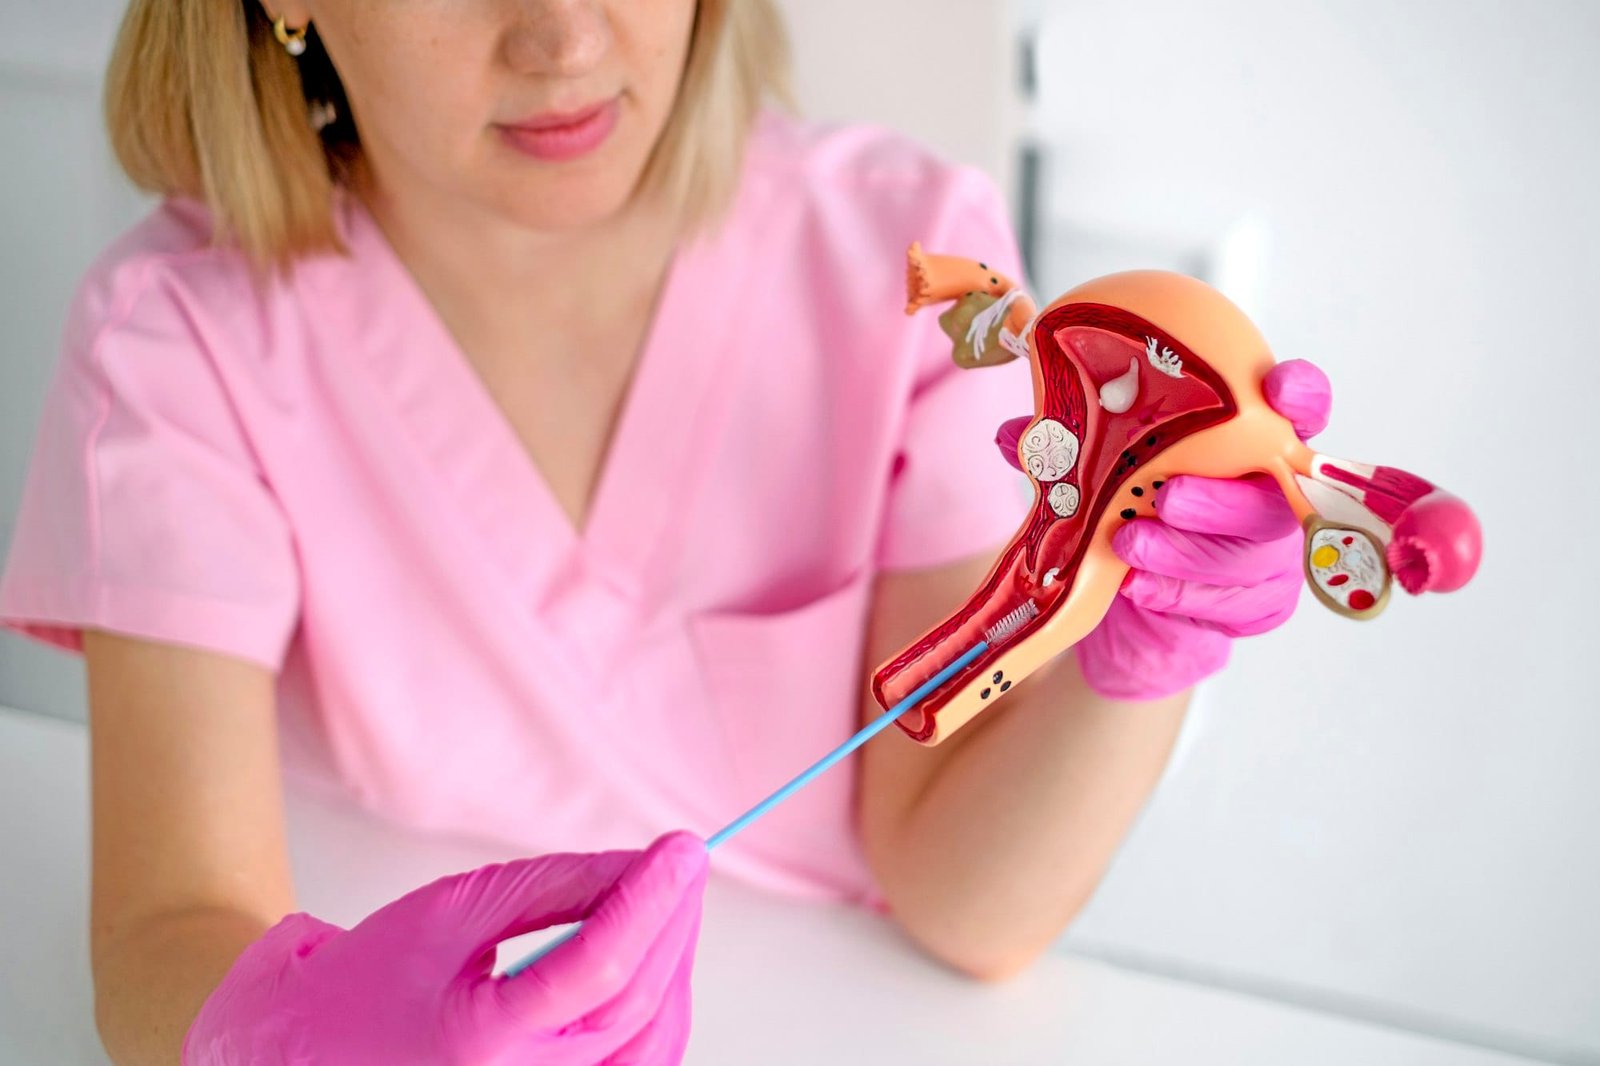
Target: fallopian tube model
{"x": 1138, "y": 377}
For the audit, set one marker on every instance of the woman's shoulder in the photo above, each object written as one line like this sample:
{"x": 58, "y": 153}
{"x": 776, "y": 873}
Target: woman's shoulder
{"x": 872, "y": 184}
{"x": 865, "y": 163}
{"x": 171, "y": 247}
{"x": 165, "y": 266}
{"x": 167, "y": 279}
{"x": 851, "y": 154}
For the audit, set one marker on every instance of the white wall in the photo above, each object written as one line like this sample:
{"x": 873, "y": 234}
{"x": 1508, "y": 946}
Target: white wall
{"x": 1399, "y": 818}
{"x": 941, "y": 70}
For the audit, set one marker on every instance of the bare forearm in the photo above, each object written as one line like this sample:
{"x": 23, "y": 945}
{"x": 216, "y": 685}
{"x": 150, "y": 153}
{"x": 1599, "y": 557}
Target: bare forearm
{"x": 151, "y": 979}
{"x": 1007, "y": 842}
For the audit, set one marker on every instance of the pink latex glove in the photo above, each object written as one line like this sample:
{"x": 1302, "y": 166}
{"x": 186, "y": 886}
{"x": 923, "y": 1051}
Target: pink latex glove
{"x": 1221, "y": 561}
{"x": 411, "y": 982}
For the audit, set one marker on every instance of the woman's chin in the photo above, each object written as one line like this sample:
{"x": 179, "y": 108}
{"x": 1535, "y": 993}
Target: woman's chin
{"x": 539, "y": 206}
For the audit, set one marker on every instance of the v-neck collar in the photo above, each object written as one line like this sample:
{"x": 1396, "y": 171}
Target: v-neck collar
{"x": 673, "y": 408}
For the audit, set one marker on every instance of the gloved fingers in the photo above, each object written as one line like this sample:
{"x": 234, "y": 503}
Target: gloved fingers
{"x": 1135, "y": 654}
{"x": 1299, "y": 391}
{"x": 665, "y": 1037}
{"x": 649, "y": 1011}
{"x": 607, "y": 954}
{"x": 618, "y": 1024}
{"x": 503, "y": 900}
{"x": 1156, "y": 547}
{"x": 450, "y": 926}
{"x": 1251, "y": 507}
{"x": 643, "y": 994}
{"x": 1233, "y": 610}
{"x": 1009, "y": 435}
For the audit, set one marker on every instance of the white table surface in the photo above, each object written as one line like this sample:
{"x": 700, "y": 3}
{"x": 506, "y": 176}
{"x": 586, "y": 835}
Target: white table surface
{"x": 777, "y": 982}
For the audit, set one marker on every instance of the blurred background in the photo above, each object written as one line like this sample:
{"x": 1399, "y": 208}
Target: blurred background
{"x": 1396, "y": 821}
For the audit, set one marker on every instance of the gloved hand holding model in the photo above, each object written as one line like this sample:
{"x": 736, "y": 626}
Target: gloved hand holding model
{"x": 1221, "y": 560}
{"x": 411, "y": 983}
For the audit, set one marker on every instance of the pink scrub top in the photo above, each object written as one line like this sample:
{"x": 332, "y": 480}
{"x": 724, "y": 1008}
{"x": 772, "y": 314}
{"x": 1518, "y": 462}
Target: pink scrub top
{"x": 313, "y": 478}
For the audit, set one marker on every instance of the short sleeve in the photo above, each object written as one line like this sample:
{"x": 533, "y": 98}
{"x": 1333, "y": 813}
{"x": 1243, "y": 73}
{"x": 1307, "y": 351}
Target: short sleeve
{"x": 951, "y": 493}
{"x": 143, "y": 510}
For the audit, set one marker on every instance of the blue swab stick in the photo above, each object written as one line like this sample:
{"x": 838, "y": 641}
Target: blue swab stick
{"x": 872, "y": 729}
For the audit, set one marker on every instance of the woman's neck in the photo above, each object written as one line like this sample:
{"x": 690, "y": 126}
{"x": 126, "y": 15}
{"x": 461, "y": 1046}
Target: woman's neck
{"x": 501, "y": 286}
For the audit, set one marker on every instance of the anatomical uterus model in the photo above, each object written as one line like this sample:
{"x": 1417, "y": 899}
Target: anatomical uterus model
{"x": 1138, "y": 377}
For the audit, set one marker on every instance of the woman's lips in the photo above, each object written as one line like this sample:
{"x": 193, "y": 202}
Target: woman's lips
{"x": 556, "y": 137}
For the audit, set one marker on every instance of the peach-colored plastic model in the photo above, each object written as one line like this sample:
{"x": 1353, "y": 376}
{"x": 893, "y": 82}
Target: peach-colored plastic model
{"x": 989, "y": 313}
{"x": 1138, "y": 377}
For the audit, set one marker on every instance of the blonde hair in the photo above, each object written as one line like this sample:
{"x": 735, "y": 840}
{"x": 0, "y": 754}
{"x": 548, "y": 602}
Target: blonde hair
{"x": 202, "y": 101}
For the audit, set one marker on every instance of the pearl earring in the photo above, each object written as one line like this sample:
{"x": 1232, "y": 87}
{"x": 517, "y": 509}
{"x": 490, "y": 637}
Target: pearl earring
{"x": 293, "y": 41}
{"x": 321, "y": 113}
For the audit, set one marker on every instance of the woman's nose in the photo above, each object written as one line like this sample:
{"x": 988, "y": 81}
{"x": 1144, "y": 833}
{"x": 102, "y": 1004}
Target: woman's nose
{"x": 558, "y": 37}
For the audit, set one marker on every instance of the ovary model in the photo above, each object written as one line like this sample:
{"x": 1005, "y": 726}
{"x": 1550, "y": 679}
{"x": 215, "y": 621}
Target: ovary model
{"x": 1138, "y": 377}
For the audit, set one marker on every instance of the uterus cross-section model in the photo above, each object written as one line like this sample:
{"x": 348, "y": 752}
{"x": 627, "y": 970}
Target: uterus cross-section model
{"x": 1138, "y": 377}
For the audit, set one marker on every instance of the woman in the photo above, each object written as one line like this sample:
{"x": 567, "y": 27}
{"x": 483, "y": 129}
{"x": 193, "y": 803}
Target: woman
{"x": 512, "y": 420}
